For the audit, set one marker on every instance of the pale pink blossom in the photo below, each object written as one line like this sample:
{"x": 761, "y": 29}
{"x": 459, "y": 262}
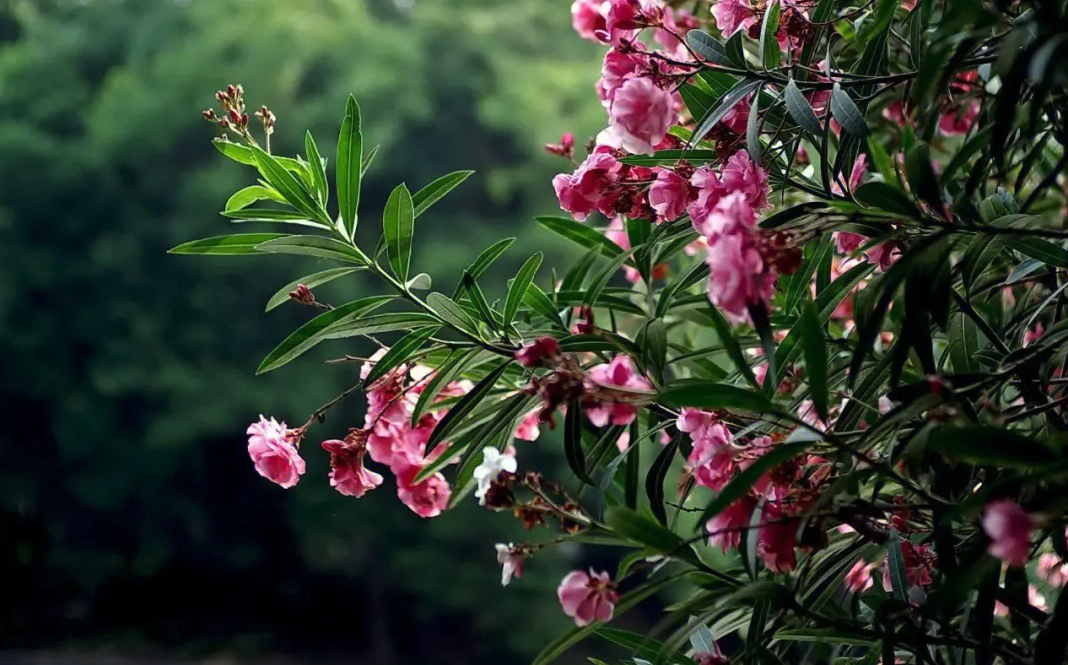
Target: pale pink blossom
{"x": 585, "y": 190}
{"x": 1009, "y": 528}
{"x": 528, "y": 428}
{"x": 669, "y": 195}
{"x": 348, "y": 475}
{"x": 619, "y": 66}
{"x": 587, "y": 597}
{"x": 643, "y": 113}
{"x": 1052, "y": 569}
{"x": 512, "y": 561}
{"x": 273, "y": 451}
{"x": 494, "y": 463}
{"x": 619, "y": 373}
{"x": 733, "y": 15}
{"x": 858, "y": 579}
{"x": 725, "y": 529}
{"x": 587, "y": 17}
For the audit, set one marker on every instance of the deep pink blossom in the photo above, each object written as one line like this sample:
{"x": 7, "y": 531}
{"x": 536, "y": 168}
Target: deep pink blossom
{"x": 776, "y": 540}
{"x": 957, "y": 119}
{"x": 884, "y": 254}
{"x": 619, "y": 373}
{"x": 587, "y": 17}
{"x": 737, "y": 119}
{"x": 348, "y": 475}
{"x": 623, "y": 19}
{"x": 426, "y": 498}
{"x": 919, "y": 561}
{"x": 273, "y": 451}
{"x": 539, "y": 351}
{"x": 643, "y": 113}
{"x": 742, "y": 174}
{"x": 585, "y": 190}
{"x": 706, "y": 183}
{"x": 619, "y": 66}
{"x": 739, "y": 276}
{"x": 733, "y": 15}
{"x": 726, "y": 528}
{"x": 858, "y": 579}
{"x": 712, "y": 459}
{"x": 669, "y": 195}
{"x": 587, "y": 597}
{"x": 1009, "y": 528}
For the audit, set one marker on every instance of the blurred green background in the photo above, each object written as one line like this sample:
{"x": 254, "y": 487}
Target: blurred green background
{"x": 131, "y": 520}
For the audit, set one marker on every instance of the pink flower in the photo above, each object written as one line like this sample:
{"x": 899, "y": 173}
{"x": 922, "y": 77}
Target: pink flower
{"x": 587, "y": 598}
{"x": 884, "y": 254}
{"x": 272, "y": 449}
{"x": 959, "y": 118}
{"x": 737, "y": 119}
{"x": 695, "y": 422}
{"x": 428, "y": 497}
{"x": 712, "y": 460}
{"x": 623, "y": 19}
{"x": 733, "y": 15}
{"x": 776, "y": 540}
{"x": 618, "y": 67}
{"x": 847, "y": 241}
{"x": 642, "y": 113}
{"x": 709, "y": 192}
{"x": 587, "y": 17}
{"x": 741, "y": 174}
{"x": 725, "y": 529}
{"x": 512, "y": 561}
{"x": 739, "y": 277}
{"x": 537, "y": 352}
{"x": 348, "y": 475}
{"x": 527, "y": 429}
{"x": 919, "y": 561}
{"x": 669, "y": 195}
{"x": 858, "y": 579}
{"x": 1009, "y": 528}
{"x": 619, "y": 373}
{"x": 1052, "y": 569}
{"x": 585, "y": 190}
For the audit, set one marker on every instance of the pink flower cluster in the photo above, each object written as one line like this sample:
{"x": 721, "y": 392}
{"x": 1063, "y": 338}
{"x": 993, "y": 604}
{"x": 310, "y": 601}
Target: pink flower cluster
{"x": 606, "y": 389}
{"x": 744, "y": 15}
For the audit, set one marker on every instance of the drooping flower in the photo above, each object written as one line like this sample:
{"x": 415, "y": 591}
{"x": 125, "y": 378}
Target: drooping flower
{"x": 494, "y": 462}
{"x": 604, "y": 407}
{"x": 858, "y": 579}
{"x": 733, "y": 15}
{"x": 1009, "y": 528}
{"x": 512, "y": 561}
{"x": 643, "y": 113}
{"x": 348, "y": 475}
{"x": 725, "y": 529}
{"x": 528, "y": 428}
{"x": 669, "y": 195}
{"x": 273, "y": 451}
{"x": 587, "y": 597}
{"x": 426, "y": 498}
{"x": 535, "y": 353}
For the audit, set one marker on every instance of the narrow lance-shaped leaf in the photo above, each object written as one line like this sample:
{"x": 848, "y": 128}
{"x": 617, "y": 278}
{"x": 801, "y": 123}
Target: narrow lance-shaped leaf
{"x": 518, "y": 290}
{"x": 318, "y": 171}
{"x": 311, "y": 281}
{"x": 741, "y": 483}
{"x": 815, "y": 359}
{"x": 576, "y": 459}
{"x": 800, "y": 110}
{"x": 435, "y": 191}
{"x": 846, "y": 112}
{"x": 349, "y": 165}
{"x": 400, "y": 352}
{"x": 769, "y": 43}
{"x": 233, "y": 245}
{"x": 398, "y": 226}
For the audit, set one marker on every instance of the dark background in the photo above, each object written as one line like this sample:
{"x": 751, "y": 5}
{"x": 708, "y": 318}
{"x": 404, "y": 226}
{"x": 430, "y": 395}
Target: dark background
{"x": 131, "y": 521}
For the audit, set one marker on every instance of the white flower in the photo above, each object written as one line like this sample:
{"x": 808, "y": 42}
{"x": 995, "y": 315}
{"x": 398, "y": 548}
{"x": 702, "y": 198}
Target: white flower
{"x": 493, "y": 463}
{"x": 511, "y": 562}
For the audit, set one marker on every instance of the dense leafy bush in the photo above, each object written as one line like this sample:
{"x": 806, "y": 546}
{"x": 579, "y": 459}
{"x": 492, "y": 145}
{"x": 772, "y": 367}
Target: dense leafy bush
{"x": 826, "y": 409}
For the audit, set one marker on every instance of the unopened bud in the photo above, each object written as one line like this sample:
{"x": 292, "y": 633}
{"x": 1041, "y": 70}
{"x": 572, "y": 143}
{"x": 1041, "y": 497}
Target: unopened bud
{"x": 209, "y": 115}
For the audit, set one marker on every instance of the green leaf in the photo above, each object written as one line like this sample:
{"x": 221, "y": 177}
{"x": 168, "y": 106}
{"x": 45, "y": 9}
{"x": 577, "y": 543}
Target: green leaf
{"x": 815, "y": 359}
{"x": 518, "y": 289}
{"x": 314, "y": 331}
{"x": 539, "y": 302}
{"x": 311, "y": 281}
{"x": 234, "y": 151}
{"x": 450, "y": 312}
{"x": 288, "y": 186}
{"x": 324, "y": 248}
{"x": 576, "y": 458}
{"x": 398, "y": 226}
{"x": 752, "y": 128}
{"x": 739, "y": 486}
{"x": 654, "y": 481}
{"x": 740, "y": 91}
{"x": 600, "y": 280}
{"x": 800, "y": 110}
{"x": 703, "y": 394}
{"x": 368, "y": 159}
{"x": 436, "y": 190}
{"x": 484, "y": 261}
{"x": 461, "y": 409}
{"x": 899, "y": 581}
{"x": 400, "y": 352}
{"x": 580, "y": 234}
{"x": 379, "y": 323}
{"x": 232, "y": 245}
{"x": 991, "y": 446}
{"x": 710, "y": 48}
{"x": 249, "y": 195}
{"x": 845, "y": 111}
{"x": 886, "y": 197}
{"x": 420, "y": 282}
{"x": 671, "y": 157}
{"x": 479, "y": 301}
{"x": 318, "y": 171}
{"x": 630, "y": 525}
{"x": 922, "y": 179}
{"x": 769, "y": 44}
{"x": 349, "y": 165}
{"x": 1041, "y": 250}
{"x": 444, "y": 374}
{"x": 821, "y": 636}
